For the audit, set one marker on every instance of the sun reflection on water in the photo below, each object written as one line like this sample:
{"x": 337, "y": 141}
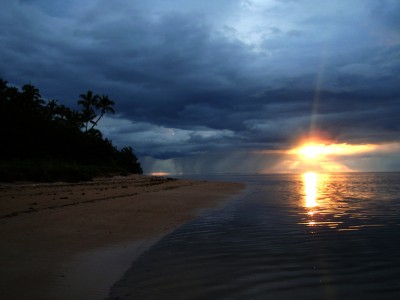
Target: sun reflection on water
{"x": 314, "y": 185}
{"x": 321, "y": 210}
{"x": 310, "y": 189}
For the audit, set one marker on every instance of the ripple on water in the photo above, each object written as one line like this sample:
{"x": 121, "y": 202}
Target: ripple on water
{"x": 269, "y": 244}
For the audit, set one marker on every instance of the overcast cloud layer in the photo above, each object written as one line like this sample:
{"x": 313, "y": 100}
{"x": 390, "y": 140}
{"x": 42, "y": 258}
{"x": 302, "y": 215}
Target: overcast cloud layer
{"x": 200, "y": 85}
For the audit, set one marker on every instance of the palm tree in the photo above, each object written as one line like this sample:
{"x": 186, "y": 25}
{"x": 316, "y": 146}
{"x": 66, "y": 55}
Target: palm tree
{"x": 3, "y": 87}
{"x": 71, "y": 118}
{"x": 31, "y": 98}
{"x": 51, "y": 109}
{"x": 105, "y": 104}
{"x": 89, "y": 102}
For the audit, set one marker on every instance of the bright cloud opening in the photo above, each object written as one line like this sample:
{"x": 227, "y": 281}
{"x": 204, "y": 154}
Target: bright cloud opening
{"x": 314, "y": 151}
{"x": 332, "y": 157}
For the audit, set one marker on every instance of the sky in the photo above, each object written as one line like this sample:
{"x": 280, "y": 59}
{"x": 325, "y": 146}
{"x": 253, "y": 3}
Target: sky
{"x": 221, "y": 86}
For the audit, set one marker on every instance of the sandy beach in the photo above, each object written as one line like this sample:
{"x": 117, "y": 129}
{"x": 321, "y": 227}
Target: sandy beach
{"x": 74, "y": 240}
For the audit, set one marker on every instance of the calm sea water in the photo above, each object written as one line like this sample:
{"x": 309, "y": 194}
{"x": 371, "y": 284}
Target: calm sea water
{"x": 319, "y": 236}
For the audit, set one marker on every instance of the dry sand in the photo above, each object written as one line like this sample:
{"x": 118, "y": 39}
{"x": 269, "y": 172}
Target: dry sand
{"x": 72, "y": 241}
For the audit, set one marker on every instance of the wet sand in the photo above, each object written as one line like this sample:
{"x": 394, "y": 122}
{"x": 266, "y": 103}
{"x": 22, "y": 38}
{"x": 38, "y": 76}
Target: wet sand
{"x": 73, "y": 241}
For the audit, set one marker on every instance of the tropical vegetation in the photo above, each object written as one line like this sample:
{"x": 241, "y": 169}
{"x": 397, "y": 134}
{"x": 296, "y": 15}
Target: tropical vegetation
{"x": 47, "y": 141}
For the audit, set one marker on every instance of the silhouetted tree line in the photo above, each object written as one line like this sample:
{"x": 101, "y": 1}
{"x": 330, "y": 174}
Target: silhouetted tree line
{"x": 55, "y": 138}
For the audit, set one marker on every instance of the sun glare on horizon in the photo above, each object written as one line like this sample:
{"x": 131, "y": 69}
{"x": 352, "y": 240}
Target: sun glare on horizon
{"x": 315, "y": 151}
{"x": 324, "y": 156}
{"x": 159, "y": 174}
{"x": 312, "y": 152}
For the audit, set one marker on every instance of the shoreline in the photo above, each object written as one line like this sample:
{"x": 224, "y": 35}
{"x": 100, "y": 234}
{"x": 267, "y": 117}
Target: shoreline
{"x": 46, "y": 229}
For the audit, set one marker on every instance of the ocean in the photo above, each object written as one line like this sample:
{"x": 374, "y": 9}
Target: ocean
{"x": 287, "y": 236}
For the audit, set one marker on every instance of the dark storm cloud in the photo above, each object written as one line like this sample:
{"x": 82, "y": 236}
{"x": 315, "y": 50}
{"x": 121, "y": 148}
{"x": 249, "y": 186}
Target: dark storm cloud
{"x": 192, "y": 76}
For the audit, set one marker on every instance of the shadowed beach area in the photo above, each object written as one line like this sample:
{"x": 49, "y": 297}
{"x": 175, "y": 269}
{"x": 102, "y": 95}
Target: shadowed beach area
{"x": 74, "y": 240}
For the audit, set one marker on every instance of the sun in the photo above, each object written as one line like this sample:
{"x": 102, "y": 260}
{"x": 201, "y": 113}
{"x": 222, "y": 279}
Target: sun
{"x": 312, "y": 151}
{"x": 322, "y": 151}
{"x": 319, "y": 155}
{"x": 326, "y": 156}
